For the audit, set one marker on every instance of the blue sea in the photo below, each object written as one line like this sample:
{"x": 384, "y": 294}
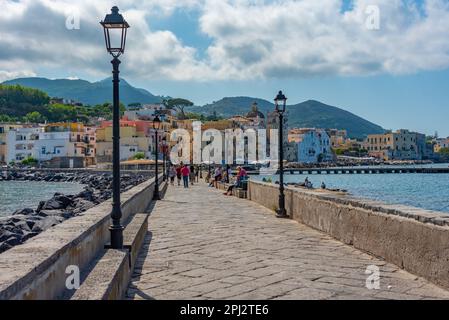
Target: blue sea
{"x": 427, "y": 191}
{"x": 16, "y": 195}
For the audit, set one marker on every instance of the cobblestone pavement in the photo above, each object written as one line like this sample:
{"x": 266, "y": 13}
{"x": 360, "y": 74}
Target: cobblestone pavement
{"x": 204, "y": 245}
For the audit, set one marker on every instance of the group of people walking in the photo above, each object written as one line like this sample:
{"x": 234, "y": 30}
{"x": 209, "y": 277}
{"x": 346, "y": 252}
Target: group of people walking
{"x": 189, "y": 175}
{"x": 186, "y": 174}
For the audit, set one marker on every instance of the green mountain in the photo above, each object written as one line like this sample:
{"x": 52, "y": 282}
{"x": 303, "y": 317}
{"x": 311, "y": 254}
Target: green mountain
{"x": 306, "y": 114}
{"x": 90, "y": 93}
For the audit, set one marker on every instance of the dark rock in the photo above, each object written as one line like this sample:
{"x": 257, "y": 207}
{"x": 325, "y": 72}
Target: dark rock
{"x": 29, "y": 235}
{"x": 13, "y": 241}
{"x": 40, "y": 206}
{"x": 5, "y": 234}
{"x": 4, "y": 246}
{"x": 81, "y": 205}
{"x": 25, "y": 212}
{"x": 57, "y": 202}
{"x": 47, "y": 223}
{"x": 23, "y": 225}
{"x": 30, "y": 223}
{"x": 47, "y": 213}
{"x": 86, "y": 194}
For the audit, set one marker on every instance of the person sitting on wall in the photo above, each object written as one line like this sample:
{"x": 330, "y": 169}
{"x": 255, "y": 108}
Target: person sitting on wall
{"x": 241, "y": 176}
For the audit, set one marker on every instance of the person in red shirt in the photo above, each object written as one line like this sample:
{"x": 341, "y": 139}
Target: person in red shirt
{"x": 241, "y": 176}
{"x": 178, "y": 175}
{"x": 185, "y": 171}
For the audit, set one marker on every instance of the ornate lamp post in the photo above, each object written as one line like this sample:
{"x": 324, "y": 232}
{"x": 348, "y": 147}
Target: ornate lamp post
{"x": 164, "y": 157}
{"x": 115, "y": 30}
{"x": 156, "y": 127}
{"x": 280, "y": 104}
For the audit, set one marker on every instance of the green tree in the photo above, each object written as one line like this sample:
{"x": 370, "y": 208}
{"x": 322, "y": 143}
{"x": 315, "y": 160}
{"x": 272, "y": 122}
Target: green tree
{"x": 7, "y": 118}
{"x": 29, "y": 161}
{"x": 339, "y": 152}
{"x": 34, "y": 117}
{"x": 178, "y": 104}
{"x": 60, "y": 113}
{"x": 444, "y": 151}
{"x": 195, "y": 116}
{"x": 139, "y": 156}
{"x": 17, "y": 101}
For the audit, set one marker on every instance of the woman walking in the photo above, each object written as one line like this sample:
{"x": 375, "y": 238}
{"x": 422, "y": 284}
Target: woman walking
{"x": 217, "y": 176}
{"x": 192, "y": 174}
{"x": 172, "y": 174}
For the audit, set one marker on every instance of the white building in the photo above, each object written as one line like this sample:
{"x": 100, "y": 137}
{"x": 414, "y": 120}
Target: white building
{"x": 146, "y": 112}
{"x": 53, "y": 144}
{"x": 20, "y": 143}
{"x": 127, "y": 151}
{"x": 314, "y": 146}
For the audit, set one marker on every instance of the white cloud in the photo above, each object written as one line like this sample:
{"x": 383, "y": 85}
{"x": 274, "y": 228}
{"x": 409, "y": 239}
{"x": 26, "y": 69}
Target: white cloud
{"x": 6, "y": 75}
{"x": 294, "y": 38}
{"x": 250, "y": 39}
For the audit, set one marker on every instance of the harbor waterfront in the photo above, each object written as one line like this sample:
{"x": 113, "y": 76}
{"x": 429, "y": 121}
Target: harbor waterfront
{"x": 16, "y": 195}
{"x": 426, "y": 191}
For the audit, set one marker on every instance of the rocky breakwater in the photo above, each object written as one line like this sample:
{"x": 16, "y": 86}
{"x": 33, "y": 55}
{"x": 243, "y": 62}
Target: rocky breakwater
{"x": 28, "y": 222}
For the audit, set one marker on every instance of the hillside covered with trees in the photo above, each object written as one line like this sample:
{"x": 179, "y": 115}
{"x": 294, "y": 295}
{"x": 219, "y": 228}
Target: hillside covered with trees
{"x": 18, "y": 103}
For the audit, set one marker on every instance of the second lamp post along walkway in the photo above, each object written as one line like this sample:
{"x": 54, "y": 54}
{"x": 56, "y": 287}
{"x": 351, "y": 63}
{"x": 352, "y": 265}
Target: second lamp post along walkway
{"x": 204, "y": 245}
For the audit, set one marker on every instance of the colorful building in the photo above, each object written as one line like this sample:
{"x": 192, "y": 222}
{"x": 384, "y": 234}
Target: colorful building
{"x": 399, "y": 145}
{"x": 440, "y": 144}
{"x": 313, "y": 145}
{"x": 66, "y": 144}
{"x": 135, "y": 136}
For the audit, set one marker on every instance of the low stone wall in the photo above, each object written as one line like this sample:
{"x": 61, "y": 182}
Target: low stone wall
{"x": 37, "y": 269}
{"x": 416, "y": 240}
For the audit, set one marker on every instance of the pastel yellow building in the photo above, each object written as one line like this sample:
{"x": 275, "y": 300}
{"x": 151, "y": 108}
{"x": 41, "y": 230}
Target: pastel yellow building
{"x": 441, "y": 144}
{"x": 399, "y": 145}
{"x": 135, "y": 136}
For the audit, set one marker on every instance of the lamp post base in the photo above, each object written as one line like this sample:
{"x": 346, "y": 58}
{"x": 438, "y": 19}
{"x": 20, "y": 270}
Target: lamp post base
{"x": 281, "y": 214}
{"x": 157, "y": 196}
{"x": 116, "y": 237}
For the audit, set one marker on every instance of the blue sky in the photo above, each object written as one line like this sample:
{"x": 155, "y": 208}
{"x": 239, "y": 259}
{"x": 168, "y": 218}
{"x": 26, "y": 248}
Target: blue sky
{"x": 396, "y": 75}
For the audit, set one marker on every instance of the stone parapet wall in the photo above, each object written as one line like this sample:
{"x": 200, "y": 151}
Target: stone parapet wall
{"x": 414, "y": 239}
{"x": 37, "y": 269}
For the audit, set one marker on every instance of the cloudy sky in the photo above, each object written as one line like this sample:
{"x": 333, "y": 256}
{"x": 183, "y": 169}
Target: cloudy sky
{"x": 386, "y": 60}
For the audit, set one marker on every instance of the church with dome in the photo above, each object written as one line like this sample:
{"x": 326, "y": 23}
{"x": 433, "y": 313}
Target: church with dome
{"x": 254, "y": 119}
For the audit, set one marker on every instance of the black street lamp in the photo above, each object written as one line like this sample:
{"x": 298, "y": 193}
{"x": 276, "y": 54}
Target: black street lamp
{"x": 164, "y": 158}
{"x": 156, "y": 127}
{"x": 115, "y": 30}
{"x": 280, "y": 103}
